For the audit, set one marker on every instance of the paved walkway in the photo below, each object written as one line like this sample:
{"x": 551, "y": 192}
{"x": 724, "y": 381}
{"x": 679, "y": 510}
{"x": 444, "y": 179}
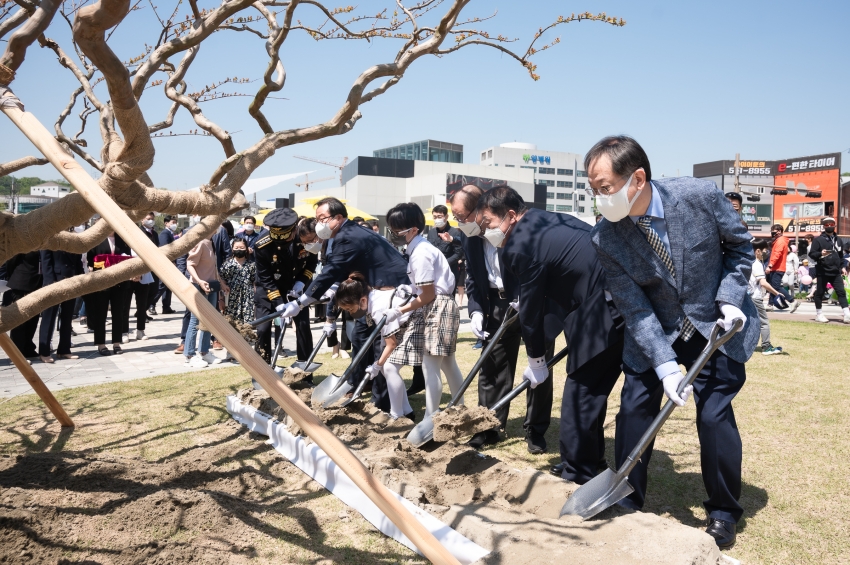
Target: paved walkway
{"x": 151, "y": 357}
{"x": 155, "y": 356}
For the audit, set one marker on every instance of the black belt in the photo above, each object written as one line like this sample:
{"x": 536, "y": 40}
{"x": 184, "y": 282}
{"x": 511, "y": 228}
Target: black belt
{"x": 500, "y": 292}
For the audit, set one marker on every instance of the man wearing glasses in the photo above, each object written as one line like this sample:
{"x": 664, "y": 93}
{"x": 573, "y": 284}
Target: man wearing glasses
{"x": 678, "y": 261}
{"x": 350, "y": 248}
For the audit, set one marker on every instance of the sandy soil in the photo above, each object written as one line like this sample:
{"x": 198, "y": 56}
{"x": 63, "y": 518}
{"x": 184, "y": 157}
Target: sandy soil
{"x": 511, "y": 511}
{"x": 459, "y": 421}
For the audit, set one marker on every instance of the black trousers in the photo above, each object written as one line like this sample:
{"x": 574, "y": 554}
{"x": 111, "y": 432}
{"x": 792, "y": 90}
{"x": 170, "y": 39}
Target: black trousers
{"x": 141, "y": 292}
{"x": 98, "y": 304}
{"x": 498, "y": 372}
{"x": 583, "y": 408}
{"x": 837, "y": 283}
{"x": 360, "y": 335}
{"x": 719, "y": 439}
{"x": 65, "y": 313}
{"x": 263, "y": 307}
{"x": 22, "y": 335}
{"x": 154, "y": 293}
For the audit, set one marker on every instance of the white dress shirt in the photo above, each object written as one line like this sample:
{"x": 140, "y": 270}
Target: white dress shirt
{"x": 428, "y": 265}
{"x": 494, "y": 269}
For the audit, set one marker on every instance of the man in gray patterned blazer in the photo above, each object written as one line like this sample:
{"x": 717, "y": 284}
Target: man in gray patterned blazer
{"x": 677, "y": 260}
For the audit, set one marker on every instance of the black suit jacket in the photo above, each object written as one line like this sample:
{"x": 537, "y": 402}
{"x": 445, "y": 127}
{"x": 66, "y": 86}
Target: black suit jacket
{"x": 550, "y": 256}
{"x": 103, "y": 248}
{"x": 23, "y": 272}
{"x": 166, "y": 236}
{"x": 60, "y": 265}
{"x": 452, "y": 251}
{"x": 356, "y": 248}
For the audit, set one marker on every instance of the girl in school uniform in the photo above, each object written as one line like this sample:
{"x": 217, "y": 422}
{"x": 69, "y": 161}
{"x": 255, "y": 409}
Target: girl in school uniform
{"x": 435, "y": 318}
{"x": 356, "y": 297}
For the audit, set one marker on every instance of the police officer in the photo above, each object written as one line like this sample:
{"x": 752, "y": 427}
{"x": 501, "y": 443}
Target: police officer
{"x": 283, "y": 267}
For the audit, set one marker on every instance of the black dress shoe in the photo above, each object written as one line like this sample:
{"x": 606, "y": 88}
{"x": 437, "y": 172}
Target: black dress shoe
{"x": 104, "y": 351}
{"x": 536, "y": 442}
{"x": 169, "y": 311}
{"x": 148, "y": 318}
{"x": 152, "y": 311}
{"x": 722, "y": 531}
{"x": 481, "y": 439}
{"x": 415, "y": 389}
{"x": 411, "y": 415}
{"x": 558, "y": 469}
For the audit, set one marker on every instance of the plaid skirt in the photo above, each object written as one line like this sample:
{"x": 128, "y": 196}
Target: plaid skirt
{"x": 411, "y": 338}
{"x": 442, "y": 319}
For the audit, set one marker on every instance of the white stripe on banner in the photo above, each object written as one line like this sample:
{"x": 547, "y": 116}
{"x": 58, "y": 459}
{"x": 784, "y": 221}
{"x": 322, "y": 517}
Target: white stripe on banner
{"x": 311, "y": 459}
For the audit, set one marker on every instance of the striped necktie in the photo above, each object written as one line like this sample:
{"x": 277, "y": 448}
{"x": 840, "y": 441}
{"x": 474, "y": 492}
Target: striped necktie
{"x": 645, "y": 223}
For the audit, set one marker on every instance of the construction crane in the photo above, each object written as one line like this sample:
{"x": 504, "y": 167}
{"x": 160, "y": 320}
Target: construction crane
{"x": 307, "y": 182}
{"x": 340, "y": 167}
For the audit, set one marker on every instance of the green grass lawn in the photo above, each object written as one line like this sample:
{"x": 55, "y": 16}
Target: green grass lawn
{"x": 793, "y": 414}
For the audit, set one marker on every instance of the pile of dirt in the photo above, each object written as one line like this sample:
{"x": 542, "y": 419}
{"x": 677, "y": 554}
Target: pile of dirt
{"x": 292, "y": 375}
{"x": 511, "y": 511}
{"x": 459, "y": 421}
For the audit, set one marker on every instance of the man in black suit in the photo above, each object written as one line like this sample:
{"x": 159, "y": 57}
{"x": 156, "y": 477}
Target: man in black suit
{"x": 99, "y": 303}
{"x": 57, "y": 266}
{"x": 351, "y": 247}
{"x": 23, "y": 272}
{"x": 166, "y": 236}
{"x": 487, "y": 292}
{"x": 151, "y": 291}
{"x": 447, "y": 239}
{"x": 550, "y": 256}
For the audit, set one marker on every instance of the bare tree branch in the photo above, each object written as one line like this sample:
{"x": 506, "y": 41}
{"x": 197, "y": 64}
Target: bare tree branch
{"x": 14, "y": 21}
{"x": 18, "y": 164}
{"x": 20, "y": 41}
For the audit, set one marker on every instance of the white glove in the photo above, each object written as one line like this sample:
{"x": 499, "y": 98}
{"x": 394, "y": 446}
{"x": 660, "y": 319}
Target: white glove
{"x": 515, "y": 305}
{"x": 392, "y": 315}
{"x": 404, "y": 290}
{"x": 297, "y": 289}
{"x": 289, "y": 309}
{"x": 330, "y": 293}
{"x": 329, "y": 327}
{"x": 372, "y": 371}
{"x": 671, "y": 385}
{"x": 477, "y": 323}
{"x": 536, "y": 372}
{"x": 730, "y": 314}
{"x": 285, "y": 321}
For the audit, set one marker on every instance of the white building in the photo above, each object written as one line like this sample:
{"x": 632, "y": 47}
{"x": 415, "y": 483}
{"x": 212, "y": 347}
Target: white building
{"x": 562, "y": 173}
{"x": 53, "y": 189}
{"x": 375, "y": 185}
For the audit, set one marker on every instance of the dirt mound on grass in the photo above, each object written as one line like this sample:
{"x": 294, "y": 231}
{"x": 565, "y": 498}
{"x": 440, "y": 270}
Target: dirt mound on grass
{"x": 511, "y": 511}
{"x": 459, "y": 421}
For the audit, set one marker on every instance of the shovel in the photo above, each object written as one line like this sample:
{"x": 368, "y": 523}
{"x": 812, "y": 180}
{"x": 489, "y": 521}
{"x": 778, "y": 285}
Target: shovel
{"x": 279, "y": 313}
{"x": 333, "y": 388}
{"x": 424, "y": 430}
{"x": 608, "y": 488}
{"x": 274, "y": 357}
{"x": 308, "y": 366}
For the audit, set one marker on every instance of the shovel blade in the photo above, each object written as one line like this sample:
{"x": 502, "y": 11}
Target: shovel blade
{"x": 422, "y": 433}
{"x": 601, "y": 492}
{"x": 302, "y": 365}
{"x": 334, "y": 397}
{"x": 323, "y": 390}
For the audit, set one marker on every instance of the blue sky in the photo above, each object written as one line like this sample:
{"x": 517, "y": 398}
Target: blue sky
{"x": 691, "y": 81}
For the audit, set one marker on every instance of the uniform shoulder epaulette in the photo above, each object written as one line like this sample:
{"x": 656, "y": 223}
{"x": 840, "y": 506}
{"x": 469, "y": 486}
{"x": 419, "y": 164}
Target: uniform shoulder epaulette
{"x": 263, "y": 241}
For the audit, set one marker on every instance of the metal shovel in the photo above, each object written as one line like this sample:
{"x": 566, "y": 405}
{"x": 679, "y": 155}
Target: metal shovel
{"x": 333, "y": 388}
{"x": 308, "y": 366}
{"x": 423, "y": 432}
{"x": 608, "y": 488}
{"x": 274, "y": 357}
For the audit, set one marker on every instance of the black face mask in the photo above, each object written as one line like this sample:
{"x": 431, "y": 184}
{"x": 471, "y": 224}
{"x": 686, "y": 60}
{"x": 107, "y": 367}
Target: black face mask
{"x": 829, "y": 229}
{"x": 775, "y": 234}
{"x": 240, "y": 253}
{"x": 359, "y": 314}
{"x": 398, "y": 240}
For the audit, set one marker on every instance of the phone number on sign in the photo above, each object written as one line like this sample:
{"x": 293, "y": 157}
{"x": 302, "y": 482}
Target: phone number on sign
{"x": 751, "y": 171}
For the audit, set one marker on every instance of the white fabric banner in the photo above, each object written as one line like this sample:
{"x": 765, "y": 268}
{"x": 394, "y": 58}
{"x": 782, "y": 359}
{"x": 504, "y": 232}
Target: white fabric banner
{"x": 311, "y": 459}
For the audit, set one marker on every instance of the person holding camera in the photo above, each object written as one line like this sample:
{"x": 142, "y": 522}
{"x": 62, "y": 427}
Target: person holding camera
{"x": 827, "y": 252}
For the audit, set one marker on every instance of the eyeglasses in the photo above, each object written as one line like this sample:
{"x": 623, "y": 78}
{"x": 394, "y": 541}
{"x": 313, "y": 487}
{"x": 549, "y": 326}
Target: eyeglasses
{"x": 399, "y": 233}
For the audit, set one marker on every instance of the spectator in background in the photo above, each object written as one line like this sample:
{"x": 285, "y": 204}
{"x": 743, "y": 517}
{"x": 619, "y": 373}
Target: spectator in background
{"x": 23, "y": 276}
{"x": 803, "y": 275}
{"x": 374, "y": 226}
{"x": 147, "y": 227}
{"x": 250, "y": 234}
{"x": 57, "y": 266}
{"x": 792, "y": 263}
{"x": 735, "y": 199}
{"x": 99, "y": 303}
{"x": 776, "y": 269}
{"x": 238, "y": 274}
{"x": 827, "y": 251}
{"x": 203, "y": 273}
{"x": 166, "y": 237}
{"x": 758, "y": 286}
{"x": 446, "y": 239}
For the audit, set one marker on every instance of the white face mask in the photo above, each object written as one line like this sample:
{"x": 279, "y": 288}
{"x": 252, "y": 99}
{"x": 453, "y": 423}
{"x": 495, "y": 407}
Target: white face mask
{"x": 314, "y": 247}
{"x": 439, "y": 222}
{"x": 471, "y": 229}
{"x": 249, "y": 228}
{"x": 195, "y": 220}
{"x": 172, "y": 227}
{"x": 323, "y": 230}
{"x": 148, "y": 223}
{"x": 495, "y": 236}
{"x": 616, "y": 206}
{"x": 80, "y": 229}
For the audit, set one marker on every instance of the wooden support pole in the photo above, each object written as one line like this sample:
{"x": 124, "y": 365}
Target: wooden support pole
{"x": 88, "y": 188}
{"x": 34, "y": 380}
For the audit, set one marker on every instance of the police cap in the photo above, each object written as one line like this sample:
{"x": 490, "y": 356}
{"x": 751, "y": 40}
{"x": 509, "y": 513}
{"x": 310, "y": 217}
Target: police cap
{"x": 281, "y": 222}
